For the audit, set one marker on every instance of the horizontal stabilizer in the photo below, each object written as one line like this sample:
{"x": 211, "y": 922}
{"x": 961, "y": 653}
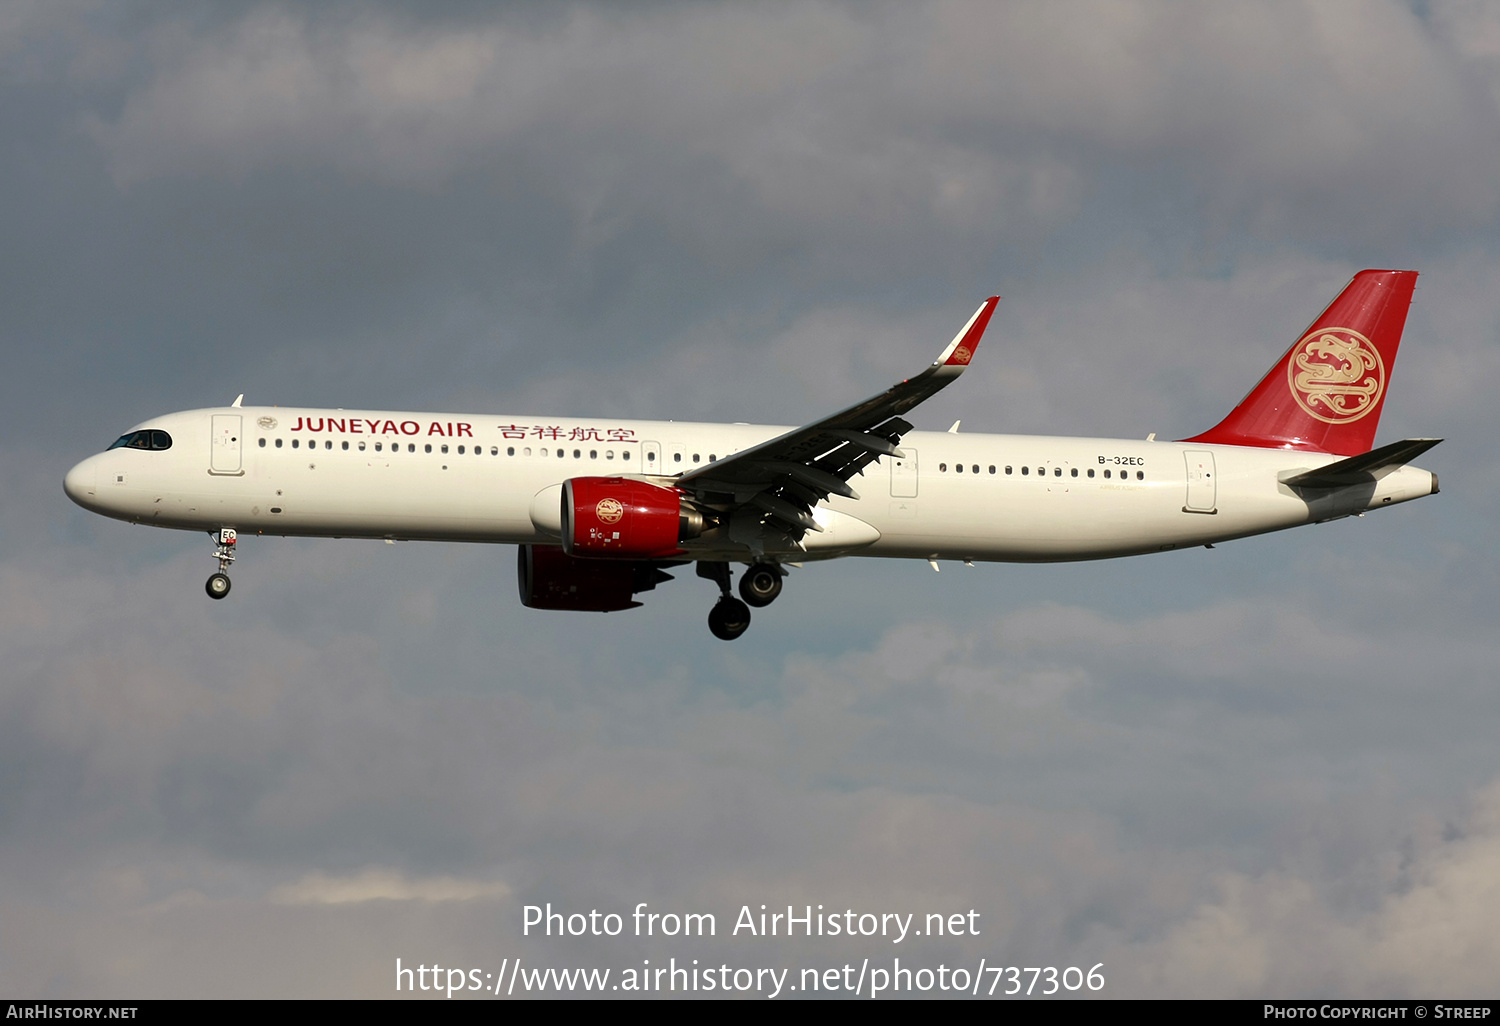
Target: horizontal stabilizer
{"x": 1360, "y": 469}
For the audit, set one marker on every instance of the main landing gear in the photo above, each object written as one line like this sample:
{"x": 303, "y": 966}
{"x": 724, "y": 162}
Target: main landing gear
{"x": 218, "y": 584}
{"x": 729, "y": 618}
{"x": 759, "y": 587}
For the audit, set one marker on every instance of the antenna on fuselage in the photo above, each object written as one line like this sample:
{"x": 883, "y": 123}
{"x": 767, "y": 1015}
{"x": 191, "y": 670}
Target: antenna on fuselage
{"x": 237, "y": 400}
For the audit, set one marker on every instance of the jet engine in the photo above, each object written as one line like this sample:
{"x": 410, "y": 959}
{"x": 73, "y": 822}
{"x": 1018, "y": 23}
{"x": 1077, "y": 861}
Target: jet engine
{"x": 619, "y": 518}
{"x": 551, "y": 579}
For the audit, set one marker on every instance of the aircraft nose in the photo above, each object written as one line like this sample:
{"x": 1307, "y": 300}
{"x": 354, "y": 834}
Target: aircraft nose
{"x": 81, "y": 482}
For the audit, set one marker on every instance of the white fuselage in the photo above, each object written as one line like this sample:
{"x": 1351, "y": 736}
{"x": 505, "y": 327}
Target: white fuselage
{"x": 448, "y": 477}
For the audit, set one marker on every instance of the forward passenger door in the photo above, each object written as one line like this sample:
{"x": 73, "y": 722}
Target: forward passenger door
{"x": 224, "y": 450}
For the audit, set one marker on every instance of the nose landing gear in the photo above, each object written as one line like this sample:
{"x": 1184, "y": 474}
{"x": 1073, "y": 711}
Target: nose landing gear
{"x": 218, "y": 584}
{"x": 729, "y": 618}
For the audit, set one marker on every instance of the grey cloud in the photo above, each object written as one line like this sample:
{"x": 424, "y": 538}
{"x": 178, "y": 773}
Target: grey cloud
{"x": 1280, "y": 113}
{"x": 940, "y": 760}
{"x": 1276, "y": 932}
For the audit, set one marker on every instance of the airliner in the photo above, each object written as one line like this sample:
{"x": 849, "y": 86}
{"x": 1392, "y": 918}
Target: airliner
{"x": 602, "y": 509}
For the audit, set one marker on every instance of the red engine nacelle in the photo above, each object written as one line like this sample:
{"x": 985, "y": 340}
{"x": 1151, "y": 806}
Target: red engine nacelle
{"x": 617, "y": 518}
{"x": 551, "y": 579}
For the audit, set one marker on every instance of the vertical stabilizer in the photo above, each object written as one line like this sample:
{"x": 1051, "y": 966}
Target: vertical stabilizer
{"x": 1326, "y": 393}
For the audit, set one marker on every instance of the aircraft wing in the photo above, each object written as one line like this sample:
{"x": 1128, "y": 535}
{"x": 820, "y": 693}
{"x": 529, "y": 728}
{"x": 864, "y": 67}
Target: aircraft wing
{"x": 775, "y": 485}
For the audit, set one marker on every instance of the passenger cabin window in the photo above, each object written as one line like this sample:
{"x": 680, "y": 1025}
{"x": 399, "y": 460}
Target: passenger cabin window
{"x": 262, "y": 443}
{"x": 278, "y": 443}
{"x": 1025, "y": 471}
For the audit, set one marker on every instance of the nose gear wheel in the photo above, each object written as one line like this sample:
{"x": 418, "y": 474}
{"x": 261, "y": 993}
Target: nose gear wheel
{"x": 218, "y": 584}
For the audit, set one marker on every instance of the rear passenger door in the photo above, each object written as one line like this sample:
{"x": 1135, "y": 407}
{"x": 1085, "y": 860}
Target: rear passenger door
{"x": 1202, "y": 489}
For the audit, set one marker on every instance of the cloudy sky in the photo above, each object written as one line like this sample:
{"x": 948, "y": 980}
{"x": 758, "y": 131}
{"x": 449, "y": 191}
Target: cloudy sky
{"x": 1266, "y": 769}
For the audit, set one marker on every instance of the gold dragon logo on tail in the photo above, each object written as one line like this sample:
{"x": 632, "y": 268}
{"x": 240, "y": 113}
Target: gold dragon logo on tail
{"x": 1336, "y": 375}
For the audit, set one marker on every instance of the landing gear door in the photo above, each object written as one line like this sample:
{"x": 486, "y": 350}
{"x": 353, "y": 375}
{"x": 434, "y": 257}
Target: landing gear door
{"x": 224, "y": 452}
{"x": 904, "y": 474}
{"x": 1202, "y": 490}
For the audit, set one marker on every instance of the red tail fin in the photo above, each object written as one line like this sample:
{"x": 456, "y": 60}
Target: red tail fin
{"x": 1326, "y": 393}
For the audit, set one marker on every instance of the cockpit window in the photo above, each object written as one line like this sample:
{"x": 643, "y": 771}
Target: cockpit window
{"x": 157, "y": 440}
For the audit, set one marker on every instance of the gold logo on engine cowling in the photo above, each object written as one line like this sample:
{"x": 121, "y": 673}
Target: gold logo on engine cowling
{"x": 609, "y": 511}
{"x": 962, "y": 354}
{"x": 1336, "y": 375}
